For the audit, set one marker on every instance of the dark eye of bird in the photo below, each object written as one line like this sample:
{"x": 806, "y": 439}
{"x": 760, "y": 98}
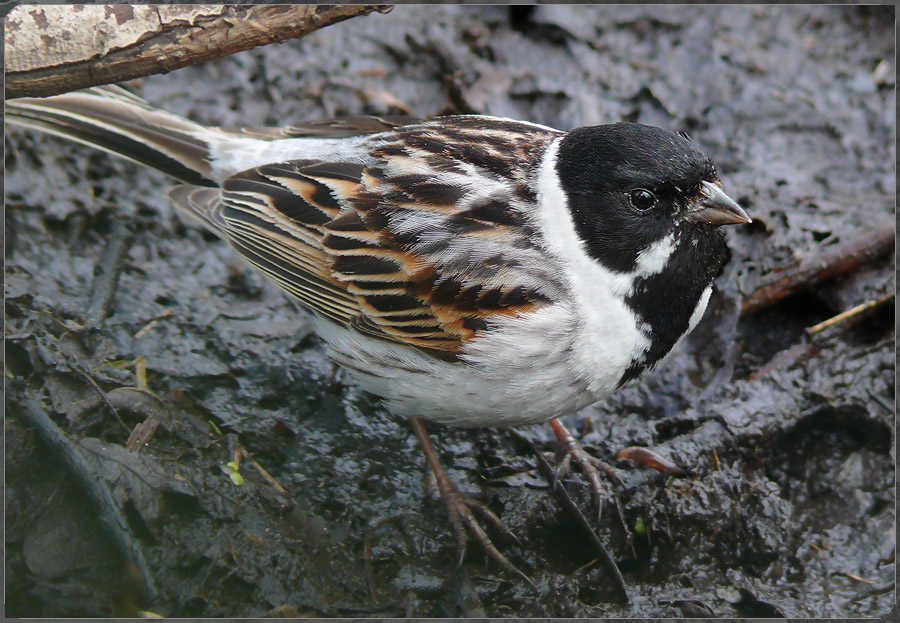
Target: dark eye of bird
{"x": 642, "y": 199}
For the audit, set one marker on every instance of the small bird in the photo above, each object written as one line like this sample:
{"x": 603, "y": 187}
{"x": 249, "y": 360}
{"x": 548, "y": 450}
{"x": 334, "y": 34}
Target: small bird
{"x": 470, "y": 270}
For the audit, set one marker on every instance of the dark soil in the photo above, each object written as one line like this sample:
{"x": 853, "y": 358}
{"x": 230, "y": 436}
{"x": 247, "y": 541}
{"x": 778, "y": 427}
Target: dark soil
{"x": 788, "y": 506}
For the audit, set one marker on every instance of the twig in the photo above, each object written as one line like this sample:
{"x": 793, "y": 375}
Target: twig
{"x": 102, "y": 395}
{"x": 166, "y": 312}
{"x": 141, "y": 434}
{"x": 585, "y": 566}
{"x": 821, "y": 551}
{"x": 820, "y": 267}
{"x": 106, "y": 273}
{"x": 563, "y": 497}
{"x": 96, "y": 488}
{"x": 140, "y": 373}
{"x": 871, "y": 591}
{"x": 881, "y": 403}
{"x": 370, "y": 574}
{"x": 847, "y": 315}
{"x": 266, "y": 475}
{"x": 142, "y": 401}
{"x": 853, "y": 576}
{"x": 805, "y": 346}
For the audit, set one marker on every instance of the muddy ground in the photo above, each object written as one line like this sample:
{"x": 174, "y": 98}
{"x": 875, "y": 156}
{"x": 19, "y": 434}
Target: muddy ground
{"x": 788, "y": 505}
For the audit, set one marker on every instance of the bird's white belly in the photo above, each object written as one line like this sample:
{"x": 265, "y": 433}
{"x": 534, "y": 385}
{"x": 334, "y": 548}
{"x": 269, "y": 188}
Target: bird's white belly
{"x": 524, "y": 370}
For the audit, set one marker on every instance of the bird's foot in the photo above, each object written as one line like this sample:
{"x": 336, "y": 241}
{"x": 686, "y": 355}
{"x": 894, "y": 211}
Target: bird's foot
{"x": 462, "y": 511}
{"x": 568, "y": 451}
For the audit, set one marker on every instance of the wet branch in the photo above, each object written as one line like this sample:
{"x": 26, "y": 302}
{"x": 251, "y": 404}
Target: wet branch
{"x": 53, "y": 49}
{"x": 566, "y": 501}
{"x": 96, "y": 488}
{"x": 819, "y": 267}
{"x": 107, "y": 272}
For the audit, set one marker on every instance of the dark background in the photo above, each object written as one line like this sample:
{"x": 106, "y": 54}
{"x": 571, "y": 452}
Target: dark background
{"x": 789, "y": 508}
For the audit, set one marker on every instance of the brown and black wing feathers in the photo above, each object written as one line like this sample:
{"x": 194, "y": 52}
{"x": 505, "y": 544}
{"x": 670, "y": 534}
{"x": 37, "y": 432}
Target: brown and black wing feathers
{"x": 420, "y": 246}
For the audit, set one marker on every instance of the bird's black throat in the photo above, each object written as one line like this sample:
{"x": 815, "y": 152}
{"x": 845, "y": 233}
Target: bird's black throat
{"x": 664, "y": 302}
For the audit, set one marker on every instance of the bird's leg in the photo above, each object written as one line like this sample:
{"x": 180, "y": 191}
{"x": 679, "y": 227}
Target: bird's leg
{"x": 461, "y": 509}
{"x": 570, "y": 450}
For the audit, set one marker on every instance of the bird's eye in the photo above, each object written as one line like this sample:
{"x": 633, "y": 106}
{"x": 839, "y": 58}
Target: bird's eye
{"x": 642, "y": 199}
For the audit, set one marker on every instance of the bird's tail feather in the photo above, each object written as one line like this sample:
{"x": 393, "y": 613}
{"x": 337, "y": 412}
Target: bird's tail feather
{"x": 116, "y": 121}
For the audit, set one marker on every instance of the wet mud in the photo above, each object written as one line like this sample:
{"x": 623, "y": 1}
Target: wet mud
{"x": 786, "y": 437}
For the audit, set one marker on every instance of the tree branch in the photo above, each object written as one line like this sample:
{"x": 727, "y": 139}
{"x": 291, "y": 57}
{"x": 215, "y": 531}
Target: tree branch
{"x": 822, "y": 266}
{"x": 53, "y": 49}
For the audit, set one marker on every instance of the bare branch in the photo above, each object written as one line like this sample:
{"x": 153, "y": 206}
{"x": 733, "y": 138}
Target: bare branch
{"x": 52, "y": 49}
{"x": 821, "y": 266}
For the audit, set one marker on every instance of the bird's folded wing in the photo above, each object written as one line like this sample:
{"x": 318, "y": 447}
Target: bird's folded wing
{"x": 419, "y": 246}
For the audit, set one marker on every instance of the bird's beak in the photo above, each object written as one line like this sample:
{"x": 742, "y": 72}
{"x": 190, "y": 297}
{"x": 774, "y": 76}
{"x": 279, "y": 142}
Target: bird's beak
{"x": 714, "y": 207}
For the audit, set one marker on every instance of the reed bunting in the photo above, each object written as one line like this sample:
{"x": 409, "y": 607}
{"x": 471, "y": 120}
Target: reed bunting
{"x": 471, "y": 270}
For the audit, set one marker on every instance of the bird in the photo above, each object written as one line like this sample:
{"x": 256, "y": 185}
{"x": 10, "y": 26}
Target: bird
{"x": 470, "y": 270}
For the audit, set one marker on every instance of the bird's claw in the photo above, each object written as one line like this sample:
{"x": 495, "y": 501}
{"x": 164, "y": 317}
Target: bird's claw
{"x": 462, "y": 511}
{"x": 569, "y": 451}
